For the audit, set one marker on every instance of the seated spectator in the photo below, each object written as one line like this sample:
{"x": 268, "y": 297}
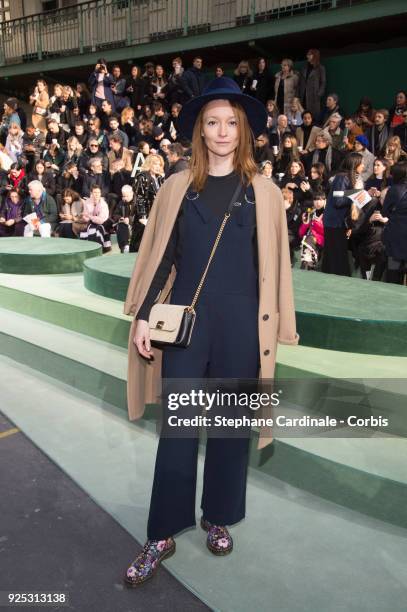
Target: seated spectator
{"x": 164, "y": 148}
{"x": 11, "y": 215}
{"x": 15, "y": 179}
{"x": 352, "y": 129}
{"x": 288, "y": 153}
{"x": 96, "y": 132}
{"x": 172, "y": 124}
{"x": 401, "y": 131}
{"x": 55, "y": 134}
{"x": 96, "y": 176}
{"x": 10, "y": 116}
{"x": 380, "y": 179}
{"x": 361, "y": 144}
{"x": 119, "y": 152}
{"x": 14, "y": 142}
{"x": 95, "y": 213}
{"x": 54, "y": 158}
{"x": 379, "y": 133}
{"x": 278, "y": 132}
{"x": 45, "y": 176}
{"x": 176, "y": 159}
{"x": 129, "y": 127}
{"x": 306, "y": 133}
{"x": 395, "y": 231}
{"x": 55, "y": 102}
{"x": 272, "y": 110}
{"x": 83, "y": 99}
{"x": 294, "y": 176}
{"x": 311, "y": 231}
{"x": 294, "y": 115}
{"x": 73, "y": 150}
{"x": 393, "y": 151}
{"x": 118, "y": 178}
{"x": 121, "y": 214}
{"x": 70, "y": 215}
{"x": 5, "y": 161}
{"x": 113, "y": 130}
{"x": 158, "y": 136}
{"x": 70, "y": 178}
{"x": 147, "y": 183}
{"x": 335, "y": 131}
{"x": 45, "y": 209}
{"x": 106, "y": 111}
{"x": 396, "y": 112}
{"x": 266, "y": 169}
{"x": 92, "y": 152}
{"x": 324, "y": 153}
{"x": 80, "y": 133}
{"x": 318, "y": 178}
{"x": 365, "y": 113}
{"x": 33, "y": 146}
{"x": 262, "y": 149}
{"x": 69, "y": 110}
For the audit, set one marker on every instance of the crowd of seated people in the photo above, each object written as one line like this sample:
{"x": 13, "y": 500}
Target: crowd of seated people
{"x": 92, "y": 157}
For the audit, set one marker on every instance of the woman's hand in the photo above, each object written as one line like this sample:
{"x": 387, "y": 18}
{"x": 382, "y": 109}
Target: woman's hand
{"x": 142, "y": 339}
{"x": 305, "y": 186}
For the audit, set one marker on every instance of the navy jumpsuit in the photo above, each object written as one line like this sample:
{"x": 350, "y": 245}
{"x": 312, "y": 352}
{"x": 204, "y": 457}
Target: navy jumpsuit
{"x": 224, "y": 344}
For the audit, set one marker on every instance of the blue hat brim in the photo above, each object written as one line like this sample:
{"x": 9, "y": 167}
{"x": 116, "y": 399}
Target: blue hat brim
{"x": 255, "y": 111}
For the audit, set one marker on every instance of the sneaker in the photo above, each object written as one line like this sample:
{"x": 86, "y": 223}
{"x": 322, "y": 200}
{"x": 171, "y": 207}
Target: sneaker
{"x": 219, "y": 540}
{"x": 147, "y": 563}
{"x": 126, "y": 248}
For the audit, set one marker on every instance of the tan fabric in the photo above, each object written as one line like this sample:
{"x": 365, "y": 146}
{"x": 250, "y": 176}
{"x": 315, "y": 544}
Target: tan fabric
{"x": 275, "y": 287}
{"x": 310, "y": 144}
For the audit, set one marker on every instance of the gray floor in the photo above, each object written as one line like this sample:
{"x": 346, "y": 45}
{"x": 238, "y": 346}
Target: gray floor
{"x": 54, "y": 537}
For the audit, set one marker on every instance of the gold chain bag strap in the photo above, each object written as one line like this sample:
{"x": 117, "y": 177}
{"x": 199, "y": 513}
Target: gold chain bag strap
{"x": 171, "y": 324}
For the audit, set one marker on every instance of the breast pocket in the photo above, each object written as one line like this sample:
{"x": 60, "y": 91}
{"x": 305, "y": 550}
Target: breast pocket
{"x": 245, "y": 215}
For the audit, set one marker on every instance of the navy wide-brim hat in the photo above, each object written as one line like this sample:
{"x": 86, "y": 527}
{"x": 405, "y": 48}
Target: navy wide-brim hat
{"x": 223, "y": 88}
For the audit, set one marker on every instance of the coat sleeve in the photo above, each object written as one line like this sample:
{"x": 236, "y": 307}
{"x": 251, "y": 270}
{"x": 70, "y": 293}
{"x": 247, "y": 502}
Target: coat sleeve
{"x": 287, "y": 333}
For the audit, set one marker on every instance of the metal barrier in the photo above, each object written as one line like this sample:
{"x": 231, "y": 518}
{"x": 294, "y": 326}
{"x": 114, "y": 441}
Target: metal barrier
{"x": 99, "y": 25}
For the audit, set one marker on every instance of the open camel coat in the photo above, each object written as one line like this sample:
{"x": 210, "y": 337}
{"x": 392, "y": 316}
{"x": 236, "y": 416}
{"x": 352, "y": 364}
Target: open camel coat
{"x": 276, "y": 319}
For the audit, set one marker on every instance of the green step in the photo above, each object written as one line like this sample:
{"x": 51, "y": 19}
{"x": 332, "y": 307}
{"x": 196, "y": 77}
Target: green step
{"x": 45, "y": 255}
{"x": 333, "y": 312}
{"x": 367, "y": 475}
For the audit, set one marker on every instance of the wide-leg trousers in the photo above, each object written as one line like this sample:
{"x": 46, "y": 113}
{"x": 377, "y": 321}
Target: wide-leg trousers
{"x": 224, "y": 344}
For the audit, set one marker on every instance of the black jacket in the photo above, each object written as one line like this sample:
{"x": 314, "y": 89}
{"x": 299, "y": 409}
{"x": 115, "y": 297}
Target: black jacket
{"x": 395, "y": 231}
{"x": 194, "y": 81}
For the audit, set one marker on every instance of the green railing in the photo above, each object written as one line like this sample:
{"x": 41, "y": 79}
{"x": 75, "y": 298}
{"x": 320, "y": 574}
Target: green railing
{"x": 100, "y": 25}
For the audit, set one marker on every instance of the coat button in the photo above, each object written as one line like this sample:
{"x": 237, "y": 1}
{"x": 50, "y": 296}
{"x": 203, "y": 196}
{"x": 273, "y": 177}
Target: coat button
{"x": 265, "y": 317}
{"x": 266, "y": 352}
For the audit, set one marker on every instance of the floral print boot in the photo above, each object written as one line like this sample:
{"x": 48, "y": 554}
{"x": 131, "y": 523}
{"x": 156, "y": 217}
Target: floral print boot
{"x": 147, "y": 562}
{"x": 219, "y": 540}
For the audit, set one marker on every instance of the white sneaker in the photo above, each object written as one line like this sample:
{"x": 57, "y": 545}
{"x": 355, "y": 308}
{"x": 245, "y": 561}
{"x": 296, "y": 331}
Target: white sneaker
{"x": 126, "y": 249}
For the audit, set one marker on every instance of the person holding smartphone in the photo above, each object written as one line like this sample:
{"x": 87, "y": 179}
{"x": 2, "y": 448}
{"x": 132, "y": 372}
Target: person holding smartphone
{"x": 100, "y": 85}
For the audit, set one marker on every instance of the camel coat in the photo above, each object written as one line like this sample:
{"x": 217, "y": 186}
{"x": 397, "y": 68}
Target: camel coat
{"x": 276, "y": 319}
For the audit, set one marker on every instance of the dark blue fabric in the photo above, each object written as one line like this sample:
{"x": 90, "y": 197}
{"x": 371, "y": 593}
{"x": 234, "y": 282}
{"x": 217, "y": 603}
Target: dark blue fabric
{"x": 224, "y": 344}
{"x": 337, "y": 208}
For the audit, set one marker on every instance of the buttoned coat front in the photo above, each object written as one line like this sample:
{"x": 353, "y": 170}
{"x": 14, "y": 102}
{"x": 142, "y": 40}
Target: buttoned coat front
{"x": 276, "y": 316}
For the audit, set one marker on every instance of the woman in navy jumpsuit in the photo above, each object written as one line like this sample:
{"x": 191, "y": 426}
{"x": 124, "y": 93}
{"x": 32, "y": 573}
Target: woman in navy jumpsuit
{"x": 224, "y": 342}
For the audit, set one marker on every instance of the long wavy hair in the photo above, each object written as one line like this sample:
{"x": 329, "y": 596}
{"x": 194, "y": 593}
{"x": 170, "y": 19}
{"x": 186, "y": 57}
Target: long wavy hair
{"x": 243, "y": 160}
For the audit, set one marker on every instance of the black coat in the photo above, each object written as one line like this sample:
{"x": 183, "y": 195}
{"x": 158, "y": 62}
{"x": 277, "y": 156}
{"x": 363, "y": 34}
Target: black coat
{"x": 395, "y": 231}
{"x": 244, "y": 81}
{"x": 401, "y": 132}
{"x": 264, "y": 87}
{"x": 194, "y": 82}
{"x": 135, "y": 90}
{"x": 48, "y": 180}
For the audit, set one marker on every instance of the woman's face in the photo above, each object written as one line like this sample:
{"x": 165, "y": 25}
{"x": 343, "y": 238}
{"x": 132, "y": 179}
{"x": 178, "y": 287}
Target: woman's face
{"x": 146, "y": 149}
{"x": 79, "y": 130}
{"x": 97, "y": 194}
{"x": 155, "y": 167}
{"x": 14, "y": 197}
{"x": 40, "y": 168}
{"x": 134, "y": 72}
{"x": 243, "y": 69}
{"x": 378, "y": 167}
{"x": 285, "y": 67}
{"x": 267, "y": 170}
{"x": 314, "y": 174}
{"x": 401, "y": 99}
{"x": 392, "y": 147}
{"x": 359, "y": 169}
{"x": 319, "y": 203}
{"x": 68, "y": 199}
{"x": 147, "y": 111}
{"x": 270, "y": 106}
{"x": 58, "y": 90}
{"x": 321, "y": 143}
{"x": 220, "y": 128}
{"x": 295, "y": 168}
{"x": 159, "y": 70}
{"x": 287, "y": 143}
{"x": 92, "y": 109}
{"x": 40, "y": 86}
{"x": 358, "y": 146}
{"x": 262, "y": 64}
